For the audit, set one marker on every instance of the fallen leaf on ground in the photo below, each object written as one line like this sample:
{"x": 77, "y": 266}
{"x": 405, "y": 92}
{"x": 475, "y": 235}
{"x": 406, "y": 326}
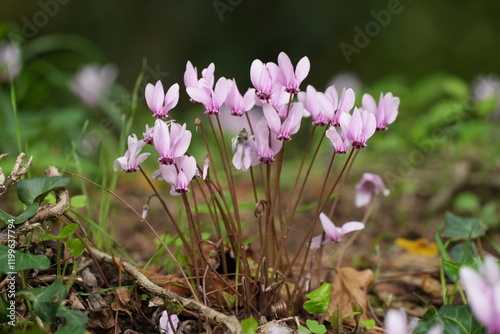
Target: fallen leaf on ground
{"x": 419, "y": 246}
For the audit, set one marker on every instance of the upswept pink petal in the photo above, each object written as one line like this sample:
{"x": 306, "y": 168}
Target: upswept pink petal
{"x": 368, "y": 103}
{"x": 155, "y": 97}
{"x": 180, "y": 139}
{"x": 331, "y": 231}
{"x": 352, "y": 226}
{"x": 273, "y": 120}
{"x": 356, "y": 125}
{"x": 200, "y": 93}
{"x": 347, "y": 100}
{"x": 286, "y": 75}
{"x": 302, "y": 69}
{"x": 120, "y": 162}
{"x": 161, "y": 138}
{"x": 169, "y": 173}
{"x": 475, "y": 286}
{"x": 220, "y": 93}
{"x": 188, "y": 165}
{"x": 171, "y": 98}
{"x": 190, "y": 75}
{"x": 249, "y": 99}
{"x": 339, "y": 142}
{"x": 292, "y": 123}
{"x": 208, "y": 74}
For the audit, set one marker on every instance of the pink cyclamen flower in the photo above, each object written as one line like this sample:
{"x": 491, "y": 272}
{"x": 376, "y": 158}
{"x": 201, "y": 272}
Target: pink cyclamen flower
{"x": 483, "y": 292}
{"x": 10, "y": 61}
{"x": 333, "y": 107}
{"x": 266, "y": 147}
{"x": 165, "y": 326}
{"x": 171, "y": 140}
{"x": 338, "y": 140}
{"x": 290, "y": 125}
{"x": 133, "y": 157}
{"x": 242, "y": 158}
{"x": 369, "y": 185}
{"x": 358, "y": 127}
{"x": 178, "y": 174}
{"x": 212, "y": 99}
{"x": 263, "y": 77}
{"x": 333, "y": 233}
{"x": 310, "y": 98}
{"x": 386, "y": 111}
{"x": 237, "y": 103}
{"x": 159, "y": 102}
{"x": 289, "y": 78}
{"x": 92, "y": 82}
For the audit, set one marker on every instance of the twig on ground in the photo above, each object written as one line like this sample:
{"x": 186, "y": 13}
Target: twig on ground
{"x": 231, "y": 322}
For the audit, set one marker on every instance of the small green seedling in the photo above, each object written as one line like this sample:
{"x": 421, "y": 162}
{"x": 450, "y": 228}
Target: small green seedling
{"x": 312, "y": 327}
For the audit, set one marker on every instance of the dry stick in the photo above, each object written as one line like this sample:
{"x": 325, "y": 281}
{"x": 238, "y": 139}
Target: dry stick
{"x": 275, "y": 204}
{"x": 231, "y": 322}
{"x": 167, "y": 211}
{"x": 332, "y": 209}
{"x": 145, "y": 221}
{"x": 345, "y": 246}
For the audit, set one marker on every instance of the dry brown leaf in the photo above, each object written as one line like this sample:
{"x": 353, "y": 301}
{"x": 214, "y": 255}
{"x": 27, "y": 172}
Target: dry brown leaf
{"x": 350, "y": 286}
{"x": 100, "y": 320}
{"x": 122, "y": 301}
{"x": 169, "y": 282}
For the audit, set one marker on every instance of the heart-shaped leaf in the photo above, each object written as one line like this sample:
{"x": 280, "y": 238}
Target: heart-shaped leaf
{"x": 14, "y": 261}
{"x": 29, "y": 190}
{"x": 66, "y": 232}
{"x": 463, "y": 228}
{"x": 319, "y": 299}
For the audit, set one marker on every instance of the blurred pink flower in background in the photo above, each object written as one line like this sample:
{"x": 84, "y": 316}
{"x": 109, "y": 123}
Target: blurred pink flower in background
{"x": 369, "y": 185}
{"x": 10, "y": 60}
{"x": 93, "y": 82}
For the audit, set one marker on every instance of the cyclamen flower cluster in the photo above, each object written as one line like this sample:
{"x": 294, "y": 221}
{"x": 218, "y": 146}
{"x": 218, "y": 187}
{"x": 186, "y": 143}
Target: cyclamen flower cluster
{"x": 277, "y": 92}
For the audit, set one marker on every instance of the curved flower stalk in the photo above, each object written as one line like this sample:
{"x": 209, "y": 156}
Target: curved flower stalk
{"x": 369, "y": 185}
{"x": 171, "y": 140}
{"x": 266, "y": 147}
{"x": 159, "y": 102}
{"x": 133, "y": 157}
{"x": 333, "y": 234}
{"x": 289, "y": 78}
{"x": 263, "y": 77}
{"x": 290, "y": 125}
{"x": 334, "y": 107}
{"x": 92, "y": 82}
{"x": 10, "y": 61}
{"x": 358, "y": 127}
{"x": 483, "y": 293}
{"x": 237, "y": 103}
{"x": 338, "y": 139}
{"x": 178, "y": 175}
{"x": 212, "y": 99}
{"x": 386, "y": 111}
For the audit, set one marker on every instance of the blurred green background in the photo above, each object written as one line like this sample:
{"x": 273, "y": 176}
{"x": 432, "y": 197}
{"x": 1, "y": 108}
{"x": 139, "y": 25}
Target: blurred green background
{"x": 428, "y": 53}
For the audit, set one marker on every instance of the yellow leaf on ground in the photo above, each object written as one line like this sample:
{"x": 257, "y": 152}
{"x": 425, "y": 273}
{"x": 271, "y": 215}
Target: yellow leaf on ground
{"x": 420, "y": 246}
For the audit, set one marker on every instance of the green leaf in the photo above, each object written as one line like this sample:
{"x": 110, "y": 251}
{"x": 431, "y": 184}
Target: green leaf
{"x": 29, "y": 212}
{"x": 350, "y": 314}
{"x": 249, "y": 325}
{"x": 462, "y": 251}
{"x": 71, "y": 329}
{"x": 230, "y": 299}
{"x": 369, "y": 324}
{"x": 455, "y": 318}
{"x": 78, "y": 201}
{"x": 463, "y": 228}
{"x": 67, "y": 231}
{"x": 29, "y": 190}
{"x": 76, "y": 246}
{"x": 319, "y": 299}
{"x": 452, "y": 268}
{"x": 315, "y": 327}
{"x": 73, "y": 317}
{"x": 303, "y": 330}
{"x": 12, "y": 260}
{"x": 46, "y": 300}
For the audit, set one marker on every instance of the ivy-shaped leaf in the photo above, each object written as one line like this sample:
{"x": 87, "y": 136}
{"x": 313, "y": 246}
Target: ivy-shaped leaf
{"x": 29, "y": 190}
{"x": 66, "y": 232}
{"x": 249, "y": 325}
{"x": 319, "y": 299}
{"x": 76, "y": 246}
{"x": 463, "y": 228}
{"x": 455, "y": 318}
{"x": 452, "y": 268}
{"x": 47, "y": 300}
{"x": 29, "y": 212}
{"x": 13, "y": 261}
